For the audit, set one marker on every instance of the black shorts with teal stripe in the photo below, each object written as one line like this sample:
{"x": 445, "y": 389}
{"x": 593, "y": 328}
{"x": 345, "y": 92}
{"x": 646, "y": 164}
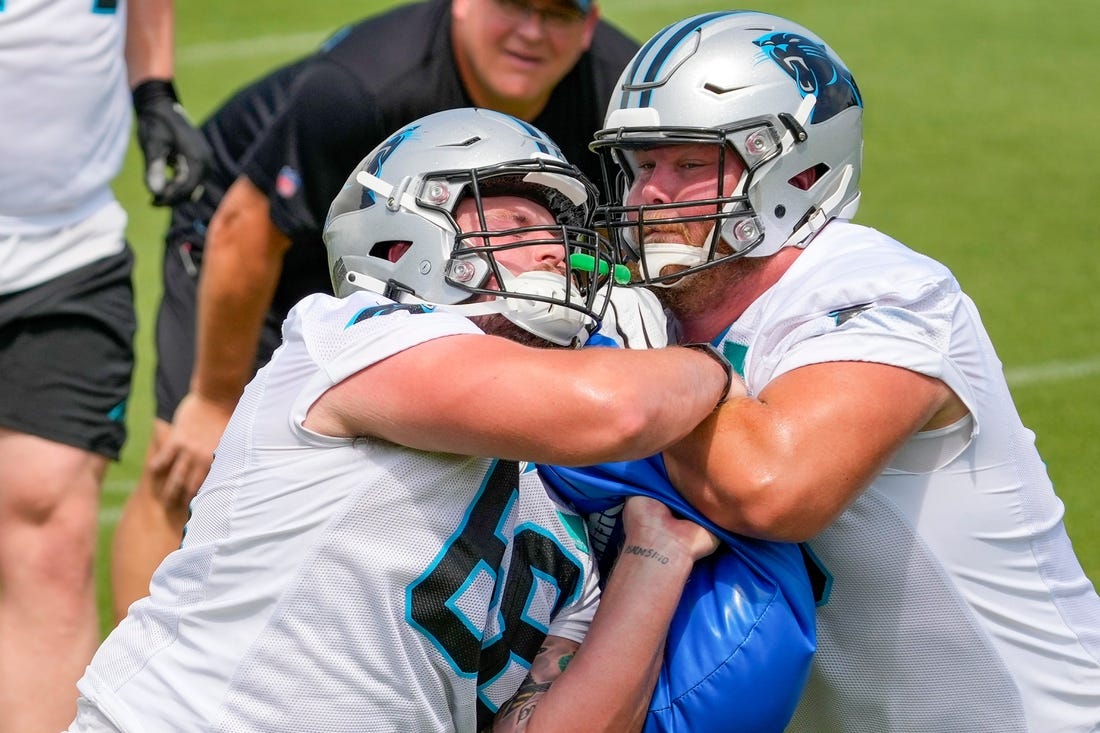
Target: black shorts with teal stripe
{"x": 67, "y": 356}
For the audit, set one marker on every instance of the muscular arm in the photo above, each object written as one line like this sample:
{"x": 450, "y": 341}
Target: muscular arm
{"x": 241, "y": 267}
{"x": 150, "y": 27}
{"x": 609, "y": 680}
{"x": 785, "y": 465}
{"x": 560, "y": 406}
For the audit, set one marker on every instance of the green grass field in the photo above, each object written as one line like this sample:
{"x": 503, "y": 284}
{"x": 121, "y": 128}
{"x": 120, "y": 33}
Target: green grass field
{"x": 977, "y": 153}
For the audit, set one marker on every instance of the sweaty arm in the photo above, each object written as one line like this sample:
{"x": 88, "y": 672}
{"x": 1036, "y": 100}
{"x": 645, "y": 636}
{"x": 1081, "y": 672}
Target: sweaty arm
{"x": 607, "y": 682}
{"x": 498, "y": 398}
{"x": 784, "y": 465}
{"x": 241, "y": 267}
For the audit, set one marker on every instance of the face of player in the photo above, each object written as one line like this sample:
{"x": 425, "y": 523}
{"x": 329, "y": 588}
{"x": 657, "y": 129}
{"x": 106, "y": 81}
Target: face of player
{"x": 512, "y": 53}
{"x": 545, "y": 252}
{"x": 511, "y": 212}
{"x": 687, "y": 172}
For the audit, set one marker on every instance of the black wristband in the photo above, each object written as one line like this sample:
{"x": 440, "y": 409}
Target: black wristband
{"x": 713, "y": 353}
{"x": 151, "y": 90}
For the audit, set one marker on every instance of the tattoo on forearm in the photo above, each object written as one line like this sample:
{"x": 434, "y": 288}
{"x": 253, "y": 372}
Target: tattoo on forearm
{"x": 550, "y": 662}
{"x": 646, "y": 552}
{"x": 522, "y": 704}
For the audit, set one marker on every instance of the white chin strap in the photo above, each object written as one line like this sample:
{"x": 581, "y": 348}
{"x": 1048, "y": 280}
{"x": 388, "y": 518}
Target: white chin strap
{"x": 659, "y": 255}
{"x": 551, "y": 321}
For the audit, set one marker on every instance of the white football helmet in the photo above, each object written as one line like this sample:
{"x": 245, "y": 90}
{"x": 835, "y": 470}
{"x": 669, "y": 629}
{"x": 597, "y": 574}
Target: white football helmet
{"x": 407, "y": 190}
{"x": 766, "y": 88}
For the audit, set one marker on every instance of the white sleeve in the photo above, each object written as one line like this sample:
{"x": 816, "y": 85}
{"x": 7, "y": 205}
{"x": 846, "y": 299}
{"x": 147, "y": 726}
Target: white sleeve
{"x": 375, "y": 338}
{"x": 914, "y": 335}
{"x": 572, "y": 622}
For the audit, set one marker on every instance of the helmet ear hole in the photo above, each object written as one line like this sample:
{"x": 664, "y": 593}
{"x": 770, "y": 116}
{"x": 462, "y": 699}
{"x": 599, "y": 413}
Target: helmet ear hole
{"x": 805, "y": 180}
{"x": 391, "y": 250}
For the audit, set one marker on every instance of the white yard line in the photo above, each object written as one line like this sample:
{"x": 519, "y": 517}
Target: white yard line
{"x": 217, "y": 51}
{"x": 109, "y": 516}
{"x": 118, "y": 487}
{"x": 1055, "y": 371}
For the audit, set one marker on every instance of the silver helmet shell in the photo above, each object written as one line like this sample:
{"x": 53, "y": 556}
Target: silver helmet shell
{"x": 766, "y": 88}
{"x": 407, "y": 190}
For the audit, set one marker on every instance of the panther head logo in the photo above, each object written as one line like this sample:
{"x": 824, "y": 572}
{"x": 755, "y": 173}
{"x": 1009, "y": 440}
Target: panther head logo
{"x": 814, "y": 71}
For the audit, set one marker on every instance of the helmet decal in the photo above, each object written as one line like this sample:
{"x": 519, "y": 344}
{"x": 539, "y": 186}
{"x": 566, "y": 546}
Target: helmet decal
{"x": 381, "y": 154}
{"x": 814, "y": 71}
{"x": 762, "y": 86}
{"x": 544, "y": 143}
{"x": 669, "y": 41}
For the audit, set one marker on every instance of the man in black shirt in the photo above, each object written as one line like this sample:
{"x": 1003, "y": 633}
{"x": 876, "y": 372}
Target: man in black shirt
{"x": 283, "y": 148}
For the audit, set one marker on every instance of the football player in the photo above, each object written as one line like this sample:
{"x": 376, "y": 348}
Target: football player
{"x": 874, "y": 421}
{"x": 283, "y": 147}
{"x": 371, "y": 548}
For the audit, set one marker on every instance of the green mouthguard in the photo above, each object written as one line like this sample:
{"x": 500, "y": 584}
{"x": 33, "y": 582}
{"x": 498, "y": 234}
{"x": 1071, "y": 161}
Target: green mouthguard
{"x": 581, "y": 261}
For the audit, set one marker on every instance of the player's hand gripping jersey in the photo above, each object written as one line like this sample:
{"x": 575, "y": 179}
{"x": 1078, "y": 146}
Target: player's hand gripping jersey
{"x": 740, "y": 645}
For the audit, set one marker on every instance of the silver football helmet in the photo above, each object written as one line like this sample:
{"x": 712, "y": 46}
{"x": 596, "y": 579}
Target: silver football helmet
{"x": 407, "y": 191}
{"x": 767, "y": 89}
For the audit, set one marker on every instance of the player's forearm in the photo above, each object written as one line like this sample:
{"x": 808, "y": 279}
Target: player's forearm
{"x": 150, "y": 43}
{"x": 596, "y": 404}
{"x": 242, "y": 263}
{"x": 608, "y": 685}
{"x": 615, "y": 405}
{"x": 786, "y": 464}
{"x": 744, "y": 470}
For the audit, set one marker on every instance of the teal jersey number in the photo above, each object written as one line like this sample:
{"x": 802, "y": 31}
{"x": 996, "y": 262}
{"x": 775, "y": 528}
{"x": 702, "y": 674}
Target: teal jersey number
{"x": 476, "y": 554}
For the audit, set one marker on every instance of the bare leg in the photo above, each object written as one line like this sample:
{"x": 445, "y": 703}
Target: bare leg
{"x": 147, "y": 531}
{"x": 49, "y": 500}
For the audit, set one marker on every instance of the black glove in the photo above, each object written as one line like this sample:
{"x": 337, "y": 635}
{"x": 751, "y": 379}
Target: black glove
{"x": 169, "y": 141}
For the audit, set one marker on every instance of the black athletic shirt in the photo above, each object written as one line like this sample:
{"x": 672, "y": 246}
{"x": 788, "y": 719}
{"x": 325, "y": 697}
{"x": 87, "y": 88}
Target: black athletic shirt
{"x": 298, "y": 133}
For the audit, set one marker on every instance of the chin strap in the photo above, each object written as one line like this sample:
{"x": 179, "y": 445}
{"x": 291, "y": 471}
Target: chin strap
{"x": 659, "y": 255}
{"x": 551, "y": 321}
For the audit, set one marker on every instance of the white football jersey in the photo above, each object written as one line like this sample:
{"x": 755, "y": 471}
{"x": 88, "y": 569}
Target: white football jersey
{"x": 67, "y": 110}
{"x": 65, "y": 115}
{"x": 634, "y": 319}
{"x": 951, "y": 598}
{"x": 346, "y": 585}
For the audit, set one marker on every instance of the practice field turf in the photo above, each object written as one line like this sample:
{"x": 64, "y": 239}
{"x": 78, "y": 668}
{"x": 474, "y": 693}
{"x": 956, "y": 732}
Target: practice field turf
{"x": 978, "y": 152}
